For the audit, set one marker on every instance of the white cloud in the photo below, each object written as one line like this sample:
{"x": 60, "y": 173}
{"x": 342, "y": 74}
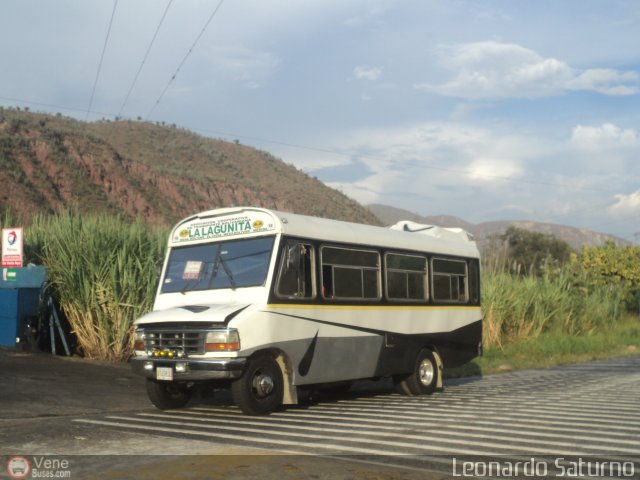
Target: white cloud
{"x": 372, "y": 14}
{"x": 505, "y": 70}
{"x": 605, "y": 136}
{"x": 365, "y": 72}
{"x": 607, "y": 81}
{"x": 248, "y": 66}
{"x": 424, "y": 164}
{"x": 626, "y": 204}
{"x": 492, "y": 169}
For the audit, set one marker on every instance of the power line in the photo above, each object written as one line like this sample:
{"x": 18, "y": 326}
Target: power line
{"x": 104, "y": 49}
{"x": 344, "y": 154}
{"x": 173, "y": 77}
{"x": 348, "y": 155}
{"x": 41, "y": 104}
{"x": 53, "y": 106}
{"x": 135, "y": 80}
{"x": 406, "y": 162}
{"x": 635, "y": 216}
{"x": 414, "y": 163}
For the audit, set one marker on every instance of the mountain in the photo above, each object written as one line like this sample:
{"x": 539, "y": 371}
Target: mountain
{"x": 163, "y": 173}
{"x": 482, "y": 232}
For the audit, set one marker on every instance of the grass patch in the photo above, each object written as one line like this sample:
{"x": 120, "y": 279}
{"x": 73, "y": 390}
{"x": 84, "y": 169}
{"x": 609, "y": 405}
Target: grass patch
{"x": 551, "y": 349}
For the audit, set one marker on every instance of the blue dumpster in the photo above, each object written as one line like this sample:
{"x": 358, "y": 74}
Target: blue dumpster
{"x": 20, "y": 290}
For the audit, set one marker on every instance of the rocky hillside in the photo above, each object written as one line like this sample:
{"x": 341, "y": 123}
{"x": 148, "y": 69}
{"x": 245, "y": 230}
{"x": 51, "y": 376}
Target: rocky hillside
{"x": 482, "y": 232}
{"x": 159, "y": 172}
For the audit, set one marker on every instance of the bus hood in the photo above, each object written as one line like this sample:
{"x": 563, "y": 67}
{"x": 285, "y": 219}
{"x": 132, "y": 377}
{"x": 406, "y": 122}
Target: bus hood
{"x": 213, "y": 313}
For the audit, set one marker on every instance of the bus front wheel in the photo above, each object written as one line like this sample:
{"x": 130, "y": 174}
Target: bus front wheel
{"x": 259, "y": 391}
{"x": 166, "y": 395}
{"x": 424, "y": 378}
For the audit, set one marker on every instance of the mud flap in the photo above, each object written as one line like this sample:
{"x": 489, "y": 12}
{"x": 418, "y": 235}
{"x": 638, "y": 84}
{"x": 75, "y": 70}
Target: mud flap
{"x": 290, "y": 394}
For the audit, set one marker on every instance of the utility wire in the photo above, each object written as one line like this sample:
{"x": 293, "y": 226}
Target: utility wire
{"x": 344, "y": 154}
{"x": 635, "y": 216}
{"x": 348, "y": 155}
{"x": 408, "y": 162}
{"x": 104, "y": 49}
{"x": 135, "y": 80}
{"x": 50, "y": 105}
{"x": 173, "y": 77}
{"x": 418, "y": 164}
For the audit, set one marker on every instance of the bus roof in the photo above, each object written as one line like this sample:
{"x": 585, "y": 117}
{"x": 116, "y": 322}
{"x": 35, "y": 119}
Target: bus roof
{"x": 252, "y": 221}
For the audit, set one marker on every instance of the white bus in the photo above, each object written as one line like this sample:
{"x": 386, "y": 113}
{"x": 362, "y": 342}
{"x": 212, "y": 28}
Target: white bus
{"x": 268, "y": 303}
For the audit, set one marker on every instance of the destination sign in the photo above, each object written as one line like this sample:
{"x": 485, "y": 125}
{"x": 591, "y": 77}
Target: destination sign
{"x": 212, "y": 228}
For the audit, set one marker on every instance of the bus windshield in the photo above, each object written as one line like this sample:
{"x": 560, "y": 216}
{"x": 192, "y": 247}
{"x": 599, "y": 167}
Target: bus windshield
{"x": 227, "y": 264}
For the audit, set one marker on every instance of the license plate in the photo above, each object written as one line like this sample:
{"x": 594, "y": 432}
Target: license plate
{"x": 164, "y": 373}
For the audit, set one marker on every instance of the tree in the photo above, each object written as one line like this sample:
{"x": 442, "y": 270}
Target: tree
{"x": 533, "y": 252}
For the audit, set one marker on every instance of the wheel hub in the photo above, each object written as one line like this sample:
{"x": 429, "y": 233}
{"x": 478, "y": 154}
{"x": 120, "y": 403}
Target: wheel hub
{"x": 263, "y": 384}
{"x": 426, "y": 372}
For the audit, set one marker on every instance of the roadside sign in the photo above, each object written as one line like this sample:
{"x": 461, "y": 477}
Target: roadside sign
{"x": 12, "y": 247}
{"x": 9, "y": 274}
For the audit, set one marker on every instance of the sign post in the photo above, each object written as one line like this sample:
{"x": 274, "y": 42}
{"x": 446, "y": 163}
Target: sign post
{"x": 12, "y": 247}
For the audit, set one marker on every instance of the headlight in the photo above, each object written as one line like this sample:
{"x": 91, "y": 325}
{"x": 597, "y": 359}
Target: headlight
{"x": 222, "y": 341}
{"x": 138, "y": 341}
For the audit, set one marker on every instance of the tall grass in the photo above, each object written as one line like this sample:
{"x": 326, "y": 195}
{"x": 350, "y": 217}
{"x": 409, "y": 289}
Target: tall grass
{"x": 103, "y": 272}
{"x": 517, "y": 307}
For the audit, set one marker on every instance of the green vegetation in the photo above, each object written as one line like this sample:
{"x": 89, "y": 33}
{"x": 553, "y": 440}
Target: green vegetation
{"x": 517, "y": 307}
{"x": 103, "y": 271}
{"x": 561, "y": 309}
{"x": 536, "y": 285}
{"x": 550, "y": 349}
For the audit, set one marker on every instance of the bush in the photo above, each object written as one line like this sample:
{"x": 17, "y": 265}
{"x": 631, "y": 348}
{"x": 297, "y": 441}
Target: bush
{"x": 612, "y": 267}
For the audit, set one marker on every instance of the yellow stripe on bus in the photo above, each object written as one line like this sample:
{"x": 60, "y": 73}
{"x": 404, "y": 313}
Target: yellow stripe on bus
{"x": 371, "y": 307}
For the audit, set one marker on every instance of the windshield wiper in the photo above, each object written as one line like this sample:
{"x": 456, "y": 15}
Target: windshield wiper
{"x": 189, "y": 286}
{"x": 221, "y": 262}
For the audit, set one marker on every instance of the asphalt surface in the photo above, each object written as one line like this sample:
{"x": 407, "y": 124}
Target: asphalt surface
{"x": 73, "y": 418}
{"x": 42, "y": 397}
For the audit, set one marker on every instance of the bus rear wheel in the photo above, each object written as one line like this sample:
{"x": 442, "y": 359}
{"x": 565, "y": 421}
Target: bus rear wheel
{"x": 259, "y": 391}
{"x": 424, "y": 378}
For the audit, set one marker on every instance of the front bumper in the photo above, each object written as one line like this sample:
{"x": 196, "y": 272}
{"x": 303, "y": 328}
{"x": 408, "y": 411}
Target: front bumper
{"x": 194, "y": 369}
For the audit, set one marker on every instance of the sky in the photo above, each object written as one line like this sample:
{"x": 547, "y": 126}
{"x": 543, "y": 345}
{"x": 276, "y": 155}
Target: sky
{"x": 486, "y": 110}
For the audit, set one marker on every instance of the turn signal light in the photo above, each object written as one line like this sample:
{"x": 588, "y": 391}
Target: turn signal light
{"x": 222, "y": 347}
{"x": 222, "y": 341}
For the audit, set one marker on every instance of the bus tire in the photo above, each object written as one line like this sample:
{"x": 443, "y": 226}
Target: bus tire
{"x": 260, "y": 389}
{"x": 424, "y": 378}
{"x": 166, "y": 395}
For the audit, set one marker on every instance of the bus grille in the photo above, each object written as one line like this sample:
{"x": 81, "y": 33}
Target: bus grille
{"x": 187, "y": 341}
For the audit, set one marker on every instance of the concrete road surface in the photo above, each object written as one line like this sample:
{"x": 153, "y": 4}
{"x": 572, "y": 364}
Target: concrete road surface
{"x": 72, "y": 418}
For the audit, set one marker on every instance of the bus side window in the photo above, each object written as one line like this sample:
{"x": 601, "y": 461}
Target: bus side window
{"x": 295, "y": 277}
{"x": 449, "y": 280}
{"x": 350, "y": 273}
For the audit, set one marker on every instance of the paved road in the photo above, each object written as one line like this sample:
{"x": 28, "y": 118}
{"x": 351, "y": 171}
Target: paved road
{"x": 582, "y": 413}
